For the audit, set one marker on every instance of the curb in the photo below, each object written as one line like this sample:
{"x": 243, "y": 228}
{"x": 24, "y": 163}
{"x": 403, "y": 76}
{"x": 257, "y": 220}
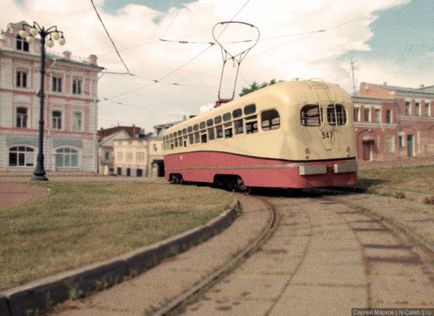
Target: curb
{"x": 43, "y": 294}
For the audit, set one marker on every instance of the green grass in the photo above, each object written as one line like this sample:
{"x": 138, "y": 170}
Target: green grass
{"x": 86, "y": 222}
{"x": 399, "y": 179}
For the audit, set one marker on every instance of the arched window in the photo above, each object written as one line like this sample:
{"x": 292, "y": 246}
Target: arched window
{"x": 67, "y": 157}
{"x": 21, "y": 156}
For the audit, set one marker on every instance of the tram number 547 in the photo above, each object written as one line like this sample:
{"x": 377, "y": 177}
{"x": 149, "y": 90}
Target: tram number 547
{"x": 327, "y": 135}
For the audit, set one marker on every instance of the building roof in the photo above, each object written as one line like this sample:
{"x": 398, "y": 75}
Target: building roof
{"x": 406, "y": 90}
{"x": 132, "y": 131}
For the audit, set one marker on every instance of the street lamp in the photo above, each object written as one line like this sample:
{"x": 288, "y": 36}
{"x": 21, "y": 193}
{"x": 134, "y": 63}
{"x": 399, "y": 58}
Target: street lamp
{"x": 29, "y": 33}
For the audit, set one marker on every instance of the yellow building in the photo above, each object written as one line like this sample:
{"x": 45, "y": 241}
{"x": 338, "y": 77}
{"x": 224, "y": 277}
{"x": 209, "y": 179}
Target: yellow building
{"x": 141, "y": 157}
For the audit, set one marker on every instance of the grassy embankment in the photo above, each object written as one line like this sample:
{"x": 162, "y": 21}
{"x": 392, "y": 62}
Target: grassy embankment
{"x": 414, "y": 179}
{"x": 82, "y": 223}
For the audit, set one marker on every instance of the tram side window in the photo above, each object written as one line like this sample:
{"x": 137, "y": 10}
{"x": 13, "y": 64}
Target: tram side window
{"x": 180, "y": 141}
{"x": 203, "y": 138}
{"x": 341, "y": 114}
{"x": 309, "y": 115}
{"x": 209, "y": 122}
{"x": 196, "y": 138}
{"x": 219, "y": 130}
{"x": 190, "y": 129}
{"x": 228, "y": 130}
{"x": 226, "y": 117}
{"x": 191, "y": 139}
{"x": 251, "y": 124}
{"x": 211, "y": 134}
{"x": 238, "y": 126}
{"x": 185, "y": 141}
{"x": 249, "y": 109}
{"x": 202, "y": 125}
{"x": 237, "y": 113}
{"x": 270, "y": 120}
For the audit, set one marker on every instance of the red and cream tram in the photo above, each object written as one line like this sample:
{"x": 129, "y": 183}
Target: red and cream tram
{"x": 295, "y": 134}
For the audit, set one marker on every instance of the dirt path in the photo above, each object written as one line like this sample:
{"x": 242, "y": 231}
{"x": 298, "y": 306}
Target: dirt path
{"x": 16, "y": 193}
{"x": 324, "y": 259}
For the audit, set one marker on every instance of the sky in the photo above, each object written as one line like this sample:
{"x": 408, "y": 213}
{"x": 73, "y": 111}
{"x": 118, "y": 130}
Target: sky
{"x": 161, "y": 81}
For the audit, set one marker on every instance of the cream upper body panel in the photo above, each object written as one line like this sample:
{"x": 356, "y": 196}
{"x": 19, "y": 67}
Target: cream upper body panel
{"x": 290, "y": 140}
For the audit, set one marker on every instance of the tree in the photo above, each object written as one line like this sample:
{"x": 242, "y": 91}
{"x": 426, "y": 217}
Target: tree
{"x": 255, "y": 86}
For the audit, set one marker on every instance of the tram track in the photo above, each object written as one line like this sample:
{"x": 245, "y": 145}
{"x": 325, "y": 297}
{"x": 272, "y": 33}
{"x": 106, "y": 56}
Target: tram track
{"x": 330, "y": 249}
{"x": 176, "y": 305}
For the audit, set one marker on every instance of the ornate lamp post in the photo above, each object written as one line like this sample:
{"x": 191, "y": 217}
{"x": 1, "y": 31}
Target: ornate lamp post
{"x": 29, "y": 33}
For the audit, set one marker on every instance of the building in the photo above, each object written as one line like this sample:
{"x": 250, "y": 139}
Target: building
{"x": 139, "y": 157}
{"x": 70, "y": 139}
{"x": 142, "y": 156}
{"x": 394, "y": 122}
{"x": 106, "y": 138}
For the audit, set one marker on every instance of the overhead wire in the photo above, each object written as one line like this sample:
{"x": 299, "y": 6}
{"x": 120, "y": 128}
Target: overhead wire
{"x": 156, "y": 81}
{"x": 110, "y": 38}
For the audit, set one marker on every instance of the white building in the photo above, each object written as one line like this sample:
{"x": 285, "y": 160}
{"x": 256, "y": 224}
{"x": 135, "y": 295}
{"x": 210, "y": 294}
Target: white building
{"x": 70, "y": 139}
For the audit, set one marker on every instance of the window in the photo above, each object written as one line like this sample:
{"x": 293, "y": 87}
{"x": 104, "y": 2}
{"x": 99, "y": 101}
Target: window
{"x": 67, "y": 158}
{"x": 309, "y": 115}
{"x": 217, "y": 120}
{"x": 390, "y": 144}
{"x": 417, "y": 108}
{"x": 196, "y": 138}
{"x": 377, "y": 115}
{"x": 249, "y": 109}
{"x": 21, "y": 44}
{"x": 389, "y": 119}
{"x": 237, "y": 113}
{"x": 427, "y": 109}
{"x": 57, "y": 84}
{"x": 211, "y": 134}
{"x": 190, "y": 129}
{"x": 251, "y": 125}
{"x": 407, "y": 108}
{"x": 219, "y": 131}
{"x": 336, "y": 114}
{"x": 209, "y": 123}
{"x": 107, "y": 155}
{"x": 21, "y": 117}
{"x": 400, "y": 143}
{"x": 196, "y": 127}
{"x": 203, "y": 138}
{"x": 76, "y": 86}
{"x": 228, "y": 130}
{"x": 270, "y": 120}
{"x": 226, "y": 117}
{"x": 56, "y": 119}
{"x": 202, "y": 125}
{"x": 21, "y": 156}
{"x": 239, "y": 126}
{"x": 21, "y": 79}
{"x": 367, "y": 114}
{"x": 140, "y": 156}
{"x": 76, "y": 121}
{"x": 356, "y": 114}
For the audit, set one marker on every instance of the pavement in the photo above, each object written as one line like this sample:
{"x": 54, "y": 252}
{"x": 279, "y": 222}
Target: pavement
{"x": 174, "y": 276}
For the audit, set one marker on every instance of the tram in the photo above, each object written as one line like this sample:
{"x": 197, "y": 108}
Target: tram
{"x": 293, "y": 134}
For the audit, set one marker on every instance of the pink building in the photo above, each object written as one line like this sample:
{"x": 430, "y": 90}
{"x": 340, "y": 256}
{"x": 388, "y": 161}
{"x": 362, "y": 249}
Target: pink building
{"x": 394, "y": 122}
{"x": 70, "y": 137}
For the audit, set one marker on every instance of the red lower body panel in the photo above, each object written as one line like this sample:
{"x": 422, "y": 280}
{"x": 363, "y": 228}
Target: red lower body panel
{"x": 255, "y": 172}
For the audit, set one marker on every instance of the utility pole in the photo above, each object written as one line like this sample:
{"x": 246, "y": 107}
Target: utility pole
{"x": 353, "y": 68}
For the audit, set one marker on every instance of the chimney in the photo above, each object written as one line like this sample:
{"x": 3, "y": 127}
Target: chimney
{"x": 421, "y": 86}
{"x": 67, "y": 55}
{"x": 92, "y": 59}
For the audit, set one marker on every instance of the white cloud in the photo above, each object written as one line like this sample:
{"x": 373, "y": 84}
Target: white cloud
{"x": 136, "y": 29}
